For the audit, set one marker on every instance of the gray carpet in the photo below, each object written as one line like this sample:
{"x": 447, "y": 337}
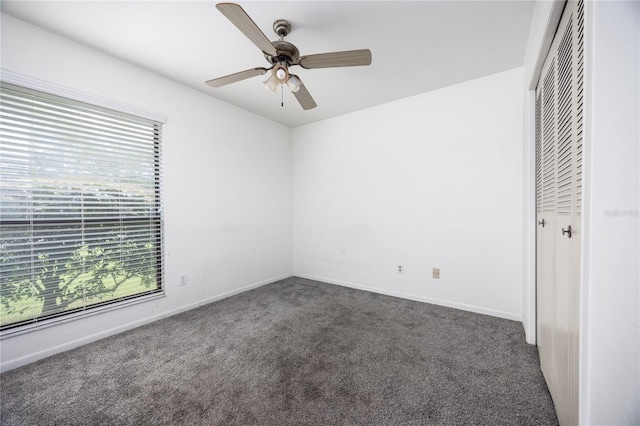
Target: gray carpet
{"x": 290, "y": 353}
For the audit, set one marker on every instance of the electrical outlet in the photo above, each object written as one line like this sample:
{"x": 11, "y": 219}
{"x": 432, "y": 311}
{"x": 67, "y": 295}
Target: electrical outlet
{"x": 436, "y": 273}
{"x": 183, "y": 279}
{"x": 401, "y": 269}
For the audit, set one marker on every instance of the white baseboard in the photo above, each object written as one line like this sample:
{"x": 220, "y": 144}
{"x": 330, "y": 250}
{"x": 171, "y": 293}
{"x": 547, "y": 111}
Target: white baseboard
{"x": 448, "y": 304}
{"x": 36, "y": 356}
{"x": 27, "y": 359}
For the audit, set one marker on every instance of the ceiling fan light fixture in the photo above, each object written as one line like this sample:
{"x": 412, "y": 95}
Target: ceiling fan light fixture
{"x": 280, "y": 73}
{"x": 293, "y": 83}
{"x": 271, "y": 84}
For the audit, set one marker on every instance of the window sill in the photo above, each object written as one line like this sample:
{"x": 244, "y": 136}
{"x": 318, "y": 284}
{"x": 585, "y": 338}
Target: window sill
{"x": 46, "y": 323}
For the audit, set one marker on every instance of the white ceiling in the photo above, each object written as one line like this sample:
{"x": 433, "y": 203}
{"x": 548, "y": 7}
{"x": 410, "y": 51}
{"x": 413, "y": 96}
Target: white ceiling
{"x": 416, "y": 46}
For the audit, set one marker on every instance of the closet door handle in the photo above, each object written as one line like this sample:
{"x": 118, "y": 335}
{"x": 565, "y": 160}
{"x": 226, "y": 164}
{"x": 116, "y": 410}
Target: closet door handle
{"x": 567, "y": 231}
{"x": 541, "y": 223}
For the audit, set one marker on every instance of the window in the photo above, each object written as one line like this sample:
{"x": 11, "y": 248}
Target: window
{"x": 80, "y": 207}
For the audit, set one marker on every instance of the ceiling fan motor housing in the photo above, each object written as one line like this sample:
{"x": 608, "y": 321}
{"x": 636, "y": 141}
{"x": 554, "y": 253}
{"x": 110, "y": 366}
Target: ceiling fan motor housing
{"x": 287, "y": 52}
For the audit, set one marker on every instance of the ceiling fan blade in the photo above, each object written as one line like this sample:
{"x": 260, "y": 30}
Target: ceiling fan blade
{"x": 348, "y": 58}
{"x": 304, "y": 97}
{"x": 239, "y": 76}
{"x": 240, "y": 19}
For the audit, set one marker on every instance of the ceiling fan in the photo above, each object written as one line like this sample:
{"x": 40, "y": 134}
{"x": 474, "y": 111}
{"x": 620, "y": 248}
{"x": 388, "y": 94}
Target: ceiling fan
{"x": 281, "y": 55}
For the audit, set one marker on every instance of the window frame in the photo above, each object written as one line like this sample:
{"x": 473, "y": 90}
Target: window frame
{"x": 154, "y": 221}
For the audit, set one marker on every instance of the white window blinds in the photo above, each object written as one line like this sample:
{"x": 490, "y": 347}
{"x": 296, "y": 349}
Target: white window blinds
{"x": 80, "y": 206}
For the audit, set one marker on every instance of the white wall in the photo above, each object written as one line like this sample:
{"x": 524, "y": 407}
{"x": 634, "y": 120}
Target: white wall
{"x": 434, "y": 180}
{"x": 611, "y": 293}
{"x": 227, "y": 175}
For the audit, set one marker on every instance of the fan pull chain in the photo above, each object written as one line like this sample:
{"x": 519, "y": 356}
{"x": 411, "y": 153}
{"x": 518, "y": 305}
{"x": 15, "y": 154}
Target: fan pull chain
{"x": 282, "y": 95}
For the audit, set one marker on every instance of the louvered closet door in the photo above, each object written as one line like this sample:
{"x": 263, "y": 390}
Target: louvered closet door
{"x": 546, "y": 217}
{"x": 558, "y": 199}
